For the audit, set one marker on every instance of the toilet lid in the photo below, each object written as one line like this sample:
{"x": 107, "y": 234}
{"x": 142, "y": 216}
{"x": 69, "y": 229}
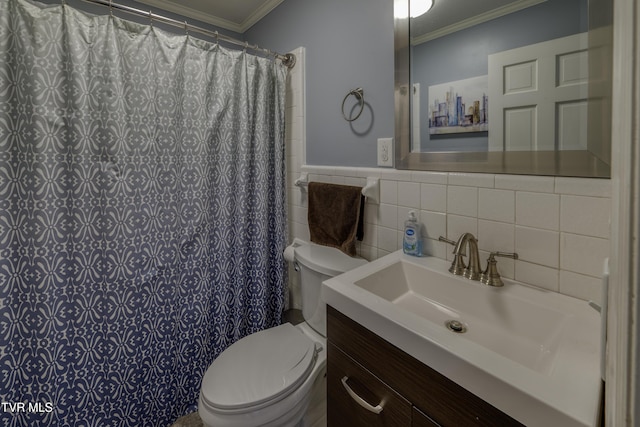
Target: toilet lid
{"x": 259, "y": 368}
{"x": 326, "y": 260}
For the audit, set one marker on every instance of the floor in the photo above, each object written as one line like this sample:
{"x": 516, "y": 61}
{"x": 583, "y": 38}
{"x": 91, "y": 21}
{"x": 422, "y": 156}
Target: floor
{"x": 191, "y": 420}
{"x": 316, "y": 415}
{"x": 317, "y": 409}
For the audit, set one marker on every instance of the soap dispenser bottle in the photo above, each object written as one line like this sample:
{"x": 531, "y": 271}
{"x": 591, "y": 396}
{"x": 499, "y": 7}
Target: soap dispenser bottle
{"x": 412, "y": 243}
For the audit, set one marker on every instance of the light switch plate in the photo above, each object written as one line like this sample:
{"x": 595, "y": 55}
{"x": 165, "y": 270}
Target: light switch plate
{"x": 385, "y": 152}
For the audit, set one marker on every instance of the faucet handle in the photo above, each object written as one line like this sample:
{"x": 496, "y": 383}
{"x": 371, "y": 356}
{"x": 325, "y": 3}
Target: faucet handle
{"x": 444, "y": 239}
{"x": 457, "y": 265}
{"x": 490, "y": 276}
{"x": 505, "y": 254}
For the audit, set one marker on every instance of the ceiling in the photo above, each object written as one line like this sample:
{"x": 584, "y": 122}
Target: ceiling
{"x": 240, "y": 15}
{"x": 234, "y": 15}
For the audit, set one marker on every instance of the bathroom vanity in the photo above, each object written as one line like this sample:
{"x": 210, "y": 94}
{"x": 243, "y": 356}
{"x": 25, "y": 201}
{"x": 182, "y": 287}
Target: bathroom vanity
{"x": 409, "y": 392}
{"x": 410, "y": 344}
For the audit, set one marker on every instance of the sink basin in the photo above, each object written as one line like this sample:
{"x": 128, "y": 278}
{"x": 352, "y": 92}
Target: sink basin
{"x": 520, "y": 329}
{"x": 531, "y": 353}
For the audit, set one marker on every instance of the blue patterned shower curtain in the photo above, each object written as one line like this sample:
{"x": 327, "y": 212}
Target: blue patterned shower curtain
{"x": 142, "y": 214}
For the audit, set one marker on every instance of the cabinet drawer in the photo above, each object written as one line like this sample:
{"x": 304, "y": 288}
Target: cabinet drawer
{"x": 418, "y": 419}
{"x": 347, "y": 382}
{"x": 447, "y": 403}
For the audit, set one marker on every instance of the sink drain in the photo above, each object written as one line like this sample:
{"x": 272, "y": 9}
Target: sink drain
{"x": 456, "y": 326}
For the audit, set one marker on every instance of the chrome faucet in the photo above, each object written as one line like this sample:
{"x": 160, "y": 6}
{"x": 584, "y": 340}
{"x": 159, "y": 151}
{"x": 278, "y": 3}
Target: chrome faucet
{"x": 458, "y": 267}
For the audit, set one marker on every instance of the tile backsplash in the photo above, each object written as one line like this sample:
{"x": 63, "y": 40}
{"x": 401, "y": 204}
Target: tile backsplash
{"x": 558, "y": 226}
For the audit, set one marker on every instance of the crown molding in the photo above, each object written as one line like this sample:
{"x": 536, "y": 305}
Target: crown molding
{"x": 478, "y": 19}
{"x": 257, "y": 15}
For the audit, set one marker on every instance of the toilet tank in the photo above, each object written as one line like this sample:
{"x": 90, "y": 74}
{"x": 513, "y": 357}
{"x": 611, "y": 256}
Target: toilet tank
{"x": 318, "y": 263}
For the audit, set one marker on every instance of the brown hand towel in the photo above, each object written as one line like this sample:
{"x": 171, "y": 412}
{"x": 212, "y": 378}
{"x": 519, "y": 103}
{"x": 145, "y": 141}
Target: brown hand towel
{"x": 335, "y": 215}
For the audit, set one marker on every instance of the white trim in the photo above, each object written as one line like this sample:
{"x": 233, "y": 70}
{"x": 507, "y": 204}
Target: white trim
{"x": 202, "y": 16}
{"x": 415, "y": 118}
{"x": 259, "y": 13}
{"x": 622, "y": 361}
{"x": 478, "y": 19}
{"x": 193, "y": 14}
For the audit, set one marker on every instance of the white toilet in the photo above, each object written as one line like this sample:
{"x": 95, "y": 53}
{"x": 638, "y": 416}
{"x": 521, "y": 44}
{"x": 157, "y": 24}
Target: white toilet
{"x": 268, "y": 378}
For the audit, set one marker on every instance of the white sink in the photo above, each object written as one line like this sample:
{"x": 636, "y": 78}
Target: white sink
{"x": 533, "y": 354}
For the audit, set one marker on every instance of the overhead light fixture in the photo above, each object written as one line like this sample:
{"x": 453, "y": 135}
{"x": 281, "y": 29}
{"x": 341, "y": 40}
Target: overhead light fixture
{"x": 419, "y": 7}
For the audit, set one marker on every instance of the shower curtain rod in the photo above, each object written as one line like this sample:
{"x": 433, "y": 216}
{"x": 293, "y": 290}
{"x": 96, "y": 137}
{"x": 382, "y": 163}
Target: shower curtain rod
{"x": 288, "y": 59}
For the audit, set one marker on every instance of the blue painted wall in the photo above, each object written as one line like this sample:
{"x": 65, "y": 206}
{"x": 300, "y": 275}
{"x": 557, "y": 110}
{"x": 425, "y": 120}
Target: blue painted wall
{"x": 464, "y": 54}
{"x": 349, "y": 44}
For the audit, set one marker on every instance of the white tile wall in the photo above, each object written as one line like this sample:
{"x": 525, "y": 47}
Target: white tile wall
{"x": 558, "y": 226}
{"x": 538, "y": 246}
{"x": 462, "y": 200}
{"x": 497, "y": 205}
{"x": 528, "y": 215}
{"x": 585, "y": 215}
{"x": 433, "y": 197}
{"x": 540, "y": 210}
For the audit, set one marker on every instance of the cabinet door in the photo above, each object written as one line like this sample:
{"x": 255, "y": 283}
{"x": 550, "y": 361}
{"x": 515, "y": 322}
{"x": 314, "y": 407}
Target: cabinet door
{"x": 418, "y": 419}
{"x": 355, "y": 397}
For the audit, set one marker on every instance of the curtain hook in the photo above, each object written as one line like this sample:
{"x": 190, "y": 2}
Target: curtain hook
{"x": 217, "y": 38}
{"x": 186, "y": 28}
{"x": 111, "y": 8}
{"x": 246, "y": 45}
{"x": 150, "y": 18}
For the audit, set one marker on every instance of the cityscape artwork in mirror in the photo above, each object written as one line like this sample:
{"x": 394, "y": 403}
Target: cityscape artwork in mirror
{"x": 459, "y": 107}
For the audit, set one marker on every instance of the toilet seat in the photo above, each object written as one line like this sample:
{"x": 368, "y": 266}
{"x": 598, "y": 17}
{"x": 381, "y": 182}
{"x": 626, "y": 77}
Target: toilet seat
{"x": 255, "y": 372}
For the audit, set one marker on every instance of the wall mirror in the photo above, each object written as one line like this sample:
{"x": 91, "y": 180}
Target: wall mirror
{"x": 504, "y": 86}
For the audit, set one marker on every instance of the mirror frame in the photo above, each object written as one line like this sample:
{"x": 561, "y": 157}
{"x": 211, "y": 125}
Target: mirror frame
{"x": 550, "y": 163}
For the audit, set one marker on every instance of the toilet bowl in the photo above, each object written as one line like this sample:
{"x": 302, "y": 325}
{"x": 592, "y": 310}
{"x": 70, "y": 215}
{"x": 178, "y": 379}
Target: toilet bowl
{"x": 268, "y": 378}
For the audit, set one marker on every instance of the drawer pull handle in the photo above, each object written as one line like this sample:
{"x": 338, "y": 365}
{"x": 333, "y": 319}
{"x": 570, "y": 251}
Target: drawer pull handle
{"x": 360, "y": 401}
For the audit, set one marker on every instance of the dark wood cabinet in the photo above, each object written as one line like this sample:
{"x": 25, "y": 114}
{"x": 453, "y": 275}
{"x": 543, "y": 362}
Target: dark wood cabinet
{"x": 348, "y": 383}
{"x": 418, "y": 419}
{"x": 410, "y": 392}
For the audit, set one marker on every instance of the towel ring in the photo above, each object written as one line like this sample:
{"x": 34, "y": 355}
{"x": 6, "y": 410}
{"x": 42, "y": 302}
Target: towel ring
{"x": 359, "y": 94}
